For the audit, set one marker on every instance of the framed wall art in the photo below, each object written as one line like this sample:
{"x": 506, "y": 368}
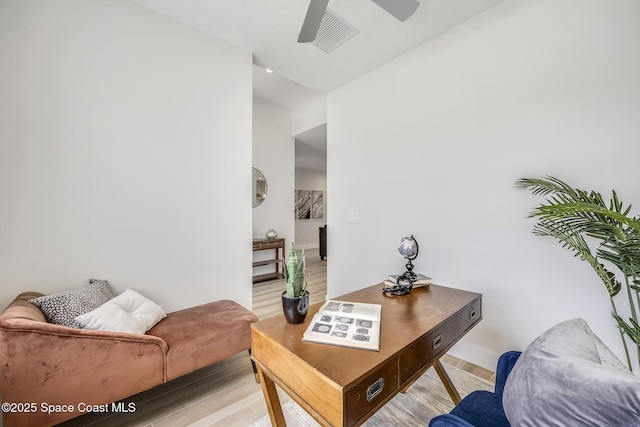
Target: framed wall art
{"x": 308, "y": 204}
{"x": 317, "y": 204}
{"x": 303, "y": 204}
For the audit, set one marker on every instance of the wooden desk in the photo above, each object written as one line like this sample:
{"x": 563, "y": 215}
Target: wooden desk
{"x": 276, "y": 245}
{"x": 342, "y": 386}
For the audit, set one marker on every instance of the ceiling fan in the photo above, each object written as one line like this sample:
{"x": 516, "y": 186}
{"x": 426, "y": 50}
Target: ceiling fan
{"x": 400, "y": 9}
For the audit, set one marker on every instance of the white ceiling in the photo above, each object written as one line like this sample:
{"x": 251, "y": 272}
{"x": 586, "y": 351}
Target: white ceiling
{"x": 275, "y": 88}
{"x": 269, "y": 29}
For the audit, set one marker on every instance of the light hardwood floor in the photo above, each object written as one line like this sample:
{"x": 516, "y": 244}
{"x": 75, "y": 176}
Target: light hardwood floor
{"x": 226, "y": 393}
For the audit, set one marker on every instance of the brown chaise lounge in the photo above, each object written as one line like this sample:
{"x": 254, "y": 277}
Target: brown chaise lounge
{"x": 45, "y": 364}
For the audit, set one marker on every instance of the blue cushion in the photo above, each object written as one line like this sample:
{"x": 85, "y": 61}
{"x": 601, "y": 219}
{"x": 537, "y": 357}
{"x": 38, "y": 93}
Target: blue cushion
{"x": 448, "y": 420}
{"x": 482, "y": 408}
{"x": 506, "y": 362}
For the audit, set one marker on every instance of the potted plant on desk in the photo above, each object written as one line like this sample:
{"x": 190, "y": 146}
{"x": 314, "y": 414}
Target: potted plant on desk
{"x": 295, "y": 298}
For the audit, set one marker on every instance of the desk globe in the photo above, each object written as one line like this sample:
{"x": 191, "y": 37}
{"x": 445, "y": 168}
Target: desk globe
{"x": 408, "y": 247}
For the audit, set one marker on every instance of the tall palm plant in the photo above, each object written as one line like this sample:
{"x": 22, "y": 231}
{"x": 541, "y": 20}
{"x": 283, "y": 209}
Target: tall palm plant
{"x": 575, "y": 217}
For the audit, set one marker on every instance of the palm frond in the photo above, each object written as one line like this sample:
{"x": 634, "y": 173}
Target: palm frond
{"x": 624, "y": 254}
{"x": 572, "y": 201}
{"x": 543, "y": 186}
{"x": 631, "y": 330}
{"x": 586, "y": 211}
{"x": 570, "y": 239}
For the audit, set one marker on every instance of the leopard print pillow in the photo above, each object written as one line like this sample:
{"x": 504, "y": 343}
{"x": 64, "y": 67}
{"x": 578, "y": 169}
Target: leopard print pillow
{"x": 62, "y": 308}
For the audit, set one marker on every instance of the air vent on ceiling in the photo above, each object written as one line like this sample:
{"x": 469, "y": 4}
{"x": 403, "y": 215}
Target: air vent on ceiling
{"x": 333, "y": 32}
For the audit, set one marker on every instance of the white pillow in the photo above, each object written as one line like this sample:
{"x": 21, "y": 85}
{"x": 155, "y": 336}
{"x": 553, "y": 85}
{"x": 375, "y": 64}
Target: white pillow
{"x": 128, "y": 312}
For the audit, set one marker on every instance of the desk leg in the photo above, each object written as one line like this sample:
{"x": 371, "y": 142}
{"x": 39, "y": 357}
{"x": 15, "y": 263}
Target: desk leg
{"x": 271, "y": 399}
{"x": 444, "y": 377}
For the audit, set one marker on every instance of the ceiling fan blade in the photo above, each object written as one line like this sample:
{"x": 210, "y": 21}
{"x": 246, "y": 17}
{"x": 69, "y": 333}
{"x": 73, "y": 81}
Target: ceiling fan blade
{"x": 400, "y": 9}
{"x": 312, "y": 20}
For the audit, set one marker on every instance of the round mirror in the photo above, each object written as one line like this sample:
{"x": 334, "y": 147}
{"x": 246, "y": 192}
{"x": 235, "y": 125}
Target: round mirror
{"x": 259, "y": 187}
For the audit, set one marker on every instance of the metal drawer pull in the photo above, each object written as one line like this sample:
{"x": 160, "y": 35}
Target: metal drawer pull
{"x": 437, "y": 342}
{"x": 375, "y": 389}
{"x": 472, "y": 314}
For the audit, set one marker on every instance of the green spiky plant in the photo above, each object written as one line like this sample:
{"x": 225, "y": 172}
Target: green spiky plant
{"x": 575, "y": 217}
{"x": 294, "y": 274}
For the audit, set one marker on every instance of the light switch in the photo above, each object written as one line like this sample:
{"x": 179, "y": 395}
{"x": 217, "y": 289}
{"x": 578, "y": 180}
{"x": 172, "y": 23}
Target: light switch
{"x": 353, "y": 217}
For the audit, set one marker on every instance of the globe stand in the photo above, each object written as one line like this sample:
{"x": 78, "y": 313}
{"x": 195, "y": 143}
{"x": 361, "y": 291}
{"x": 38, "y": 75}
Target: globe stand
{"x": 409, "y": 275}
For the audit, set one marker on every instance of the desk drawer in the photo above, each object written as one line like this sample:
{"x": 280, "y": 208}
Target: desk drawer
{"x": 472, "y": 313}
{"x": 366, "y": 395}
{"x": 416, "y": 356}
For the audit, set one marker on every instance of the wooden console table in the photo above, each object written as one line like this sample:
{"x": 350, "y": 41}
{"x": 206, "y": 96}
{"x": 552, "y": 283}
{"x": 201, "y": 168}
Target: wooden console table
{"x": 276, "y": 245}
{"x": 340, "y": 386}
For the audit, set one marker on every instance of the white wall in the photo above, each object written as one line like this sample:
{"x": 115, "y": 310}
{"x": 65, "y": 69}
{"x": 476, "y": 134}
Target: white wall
{"x": 273, "y": 155}
{"x": 432, "y": 142}
{"x": 125, "y": 142}
{"x": 307, "y": 230}
{"x": 308, "y": 114}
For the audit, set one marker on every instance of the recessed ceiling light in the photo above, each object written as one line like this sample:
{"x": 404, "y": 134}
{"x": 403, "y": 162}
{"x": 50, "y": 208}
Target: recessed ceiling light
{"x": 268, "y": 70}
